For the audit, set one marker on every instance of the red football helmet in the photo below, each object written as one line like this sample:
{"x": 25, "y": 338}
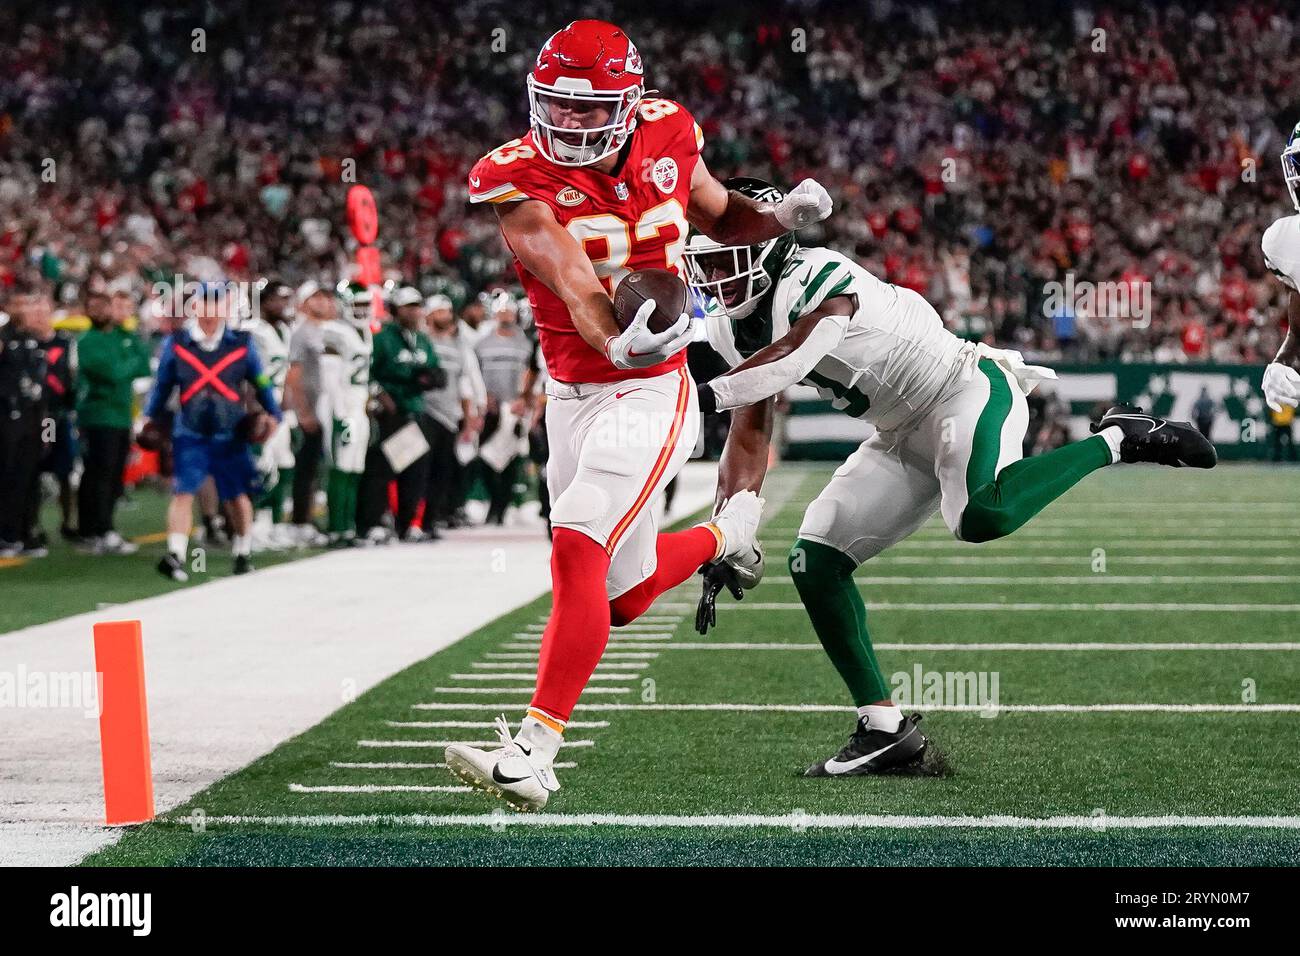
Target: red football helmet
{"x": 583, "y": 93}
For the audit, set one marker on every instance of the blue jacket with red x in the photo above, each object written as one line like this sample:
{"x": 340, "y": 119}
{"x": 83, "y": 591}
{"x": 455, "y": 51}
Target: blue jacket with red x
{"x": 209, "y": 383}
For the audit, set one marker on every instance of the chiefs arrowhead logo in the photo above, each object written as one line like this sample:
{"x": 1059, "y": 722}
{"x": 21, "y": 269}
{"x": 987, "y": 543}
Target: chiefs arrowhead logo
{"x": 664, "y": 174}
{"x": 633, "y": 62}
{"x": 569, "y": 196}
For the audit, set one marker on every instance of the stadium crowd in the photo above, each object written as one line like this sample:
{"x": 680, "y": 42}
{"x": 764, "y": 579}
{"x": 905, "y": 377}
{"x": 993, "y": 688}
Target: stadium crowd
{"x": 979, "y": 152}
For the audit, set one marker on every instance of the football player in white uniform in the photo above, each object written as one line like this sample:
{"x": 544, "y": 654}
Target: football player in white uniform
{"x": 270, "y": 328}
{"x": 1282, "y": 256}
{"x": 346, "y": 384}
{"x": 950, "y": 419}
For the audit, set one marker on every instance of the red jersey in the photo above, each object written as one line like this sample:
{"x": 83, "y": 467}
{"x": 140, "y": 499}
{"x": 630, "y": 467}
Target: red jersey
{"x": 633, "y": 219}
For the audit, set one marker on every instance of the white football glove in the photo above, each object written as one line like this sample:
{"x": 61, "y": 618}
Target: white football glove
{"x": 804, "y": 205}
{"x": 1281, "y": 386}
{"x": 638, "y": 347}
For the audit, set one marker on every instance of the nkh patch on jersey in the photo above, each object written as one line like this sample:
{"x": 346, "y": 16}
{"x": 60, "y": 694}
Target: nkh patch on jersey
{"x": 634, "y": 218}
{"x": 894, "y": 359}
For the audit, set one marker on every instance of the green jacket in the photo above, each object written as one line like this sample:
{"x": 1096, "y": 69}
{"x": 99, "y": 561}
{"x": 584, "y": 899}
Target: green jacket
{"x": 108, "y": 361}
{"x": 397, "y": 356}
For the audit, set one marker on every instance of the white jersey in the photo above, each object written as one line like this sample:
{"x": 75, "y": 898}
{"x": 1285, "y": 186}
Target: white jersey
{"x": 272, "y": 342}
{"x": 895, "y": 359}
{"x": 1281, "y": 245}
{"x": 345, "y": 368}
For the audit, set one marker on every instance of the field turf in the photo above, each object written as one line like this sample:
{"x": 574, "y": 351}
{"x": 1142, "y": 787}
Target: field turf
{"x": 1145, "y": 637}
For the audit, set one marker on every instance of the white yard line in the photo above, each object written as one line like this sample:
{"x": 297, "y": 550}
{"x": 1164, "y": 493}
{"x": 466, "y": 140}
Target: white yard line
{"x": 1083, "y": 559}
{"x": 797, "y": 820}
{"x": 533, "y": 676}
{"x": 400, "y": 765}
{"x": 958, "y": 581}
{"x": 952, "y": 709}
{"x": 486, "y": 724}
{"x": 1035, "y": 606}
{"x": 1006, "y": 646}
{"x": 521, "y": 690}
{"x": 448, "y": 743}
{"x": 377, "y": 788}
{"x": 523, "y": 656}
{"x": 1011, "y": 544}
{"x": 527, "y": 665}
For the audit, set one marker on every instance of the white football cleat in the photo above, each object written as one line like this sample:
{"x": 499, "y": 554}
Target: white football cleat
{"x": 520, "y": 775}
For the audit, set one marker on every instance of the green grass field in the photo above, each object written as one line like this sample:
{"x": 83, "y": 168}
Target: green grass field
{"x": 652, "y": 777}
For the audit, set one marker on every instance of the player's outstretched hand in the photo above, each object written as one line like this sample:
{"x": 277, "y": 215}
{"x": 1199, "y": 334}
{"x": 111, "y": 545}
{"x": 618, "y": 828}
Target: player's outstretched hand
{"x": 638, "y": 347}
{"x": 1281, "y": 386}
{"x": 804, "y": 205}
{"x": 717, "y": 575}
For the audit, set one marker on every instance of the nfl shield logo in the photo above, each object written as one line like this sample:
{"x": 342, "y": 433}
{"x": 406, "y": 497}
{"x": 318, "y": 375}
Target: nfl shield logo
{"x": 620, "y": 190}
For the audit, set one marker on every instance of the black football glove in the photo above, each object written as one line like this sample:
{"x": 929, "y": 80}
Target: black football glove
{"x": 430, "y": 377}
{"x": 717, "y": 575}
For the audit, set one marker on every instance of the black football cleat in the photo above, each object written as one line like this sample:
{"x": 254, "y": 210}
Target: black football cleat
{"x": 243, "y": 564}
{"x": 1151, "y": 439}
{"x": 171, "y": 568}
{"x": 874, "y": 751}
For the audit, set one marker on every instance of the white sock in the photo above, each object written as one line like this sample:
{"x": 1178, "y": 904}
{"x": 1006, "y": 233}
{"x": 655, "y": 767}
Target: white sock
{"x": 177, "y": 544}
{"x": 884, "y": 717}
{"x": 541, "y": 740}
{"x": 241, "y": 544}
{"x": 1113, "y": 435}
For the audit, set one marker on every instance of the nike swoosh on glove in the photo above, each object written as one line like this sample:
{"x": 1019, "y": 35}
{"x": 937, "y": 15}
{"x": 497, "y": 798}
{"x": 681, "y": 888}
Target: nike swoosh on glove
{"x": 804, "y": 205}
{"x": 638, "y": 347}
{"x": 1281, "y": 386}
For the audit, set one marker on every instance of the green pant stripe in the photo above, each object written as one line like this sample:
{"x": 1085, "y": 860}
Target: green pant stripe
{"x": 986, "y": 445}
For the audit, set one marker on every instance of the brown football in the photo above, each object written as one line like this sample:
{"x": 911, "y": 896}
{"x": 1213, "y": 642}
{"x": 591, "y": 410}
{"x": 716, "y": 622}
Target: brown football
{"x": 668, "y": 291}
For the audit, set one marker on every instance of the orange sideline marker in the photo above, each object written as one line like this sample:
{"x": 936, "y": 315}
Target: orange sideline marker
{"x": 123, "y": 723}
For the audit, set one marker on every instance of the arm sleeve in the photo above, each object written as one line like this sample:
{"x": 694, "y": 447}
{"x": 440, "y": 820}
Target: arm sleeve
{"x": 737, "y": 389}
{"x": 164, "y": 383}
{"x": 262, "y": 382}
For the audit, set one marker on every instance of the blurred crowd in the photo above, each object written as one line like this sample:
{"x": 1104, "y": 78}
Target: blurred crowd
{"x": 979, "y": 150}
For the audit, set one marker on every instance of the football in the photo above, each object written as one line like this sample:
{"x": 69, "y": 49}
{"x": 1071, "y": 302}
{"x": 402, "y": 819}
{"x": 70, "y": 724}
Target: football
{"x": 668, "y": 291}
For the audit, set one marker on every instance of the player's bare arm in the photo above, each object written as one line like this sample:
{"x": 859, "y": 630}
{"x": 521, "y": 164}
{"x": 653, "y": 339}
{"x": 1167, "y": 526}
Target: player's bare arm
{"x": 549, "y": 252}
{"x": 730, "y": 218}
{"x": 788, "y": 360}
{"x": 743, "y": 464}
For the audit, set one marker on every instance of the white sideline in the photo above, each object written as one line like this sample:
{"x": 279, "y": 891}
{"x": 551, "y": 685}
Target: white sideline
{"x": 447, "y": 743}
{"x": 818, "y": 821}
{"x": 238, "y": 666}
{"x": 925, "y": 708}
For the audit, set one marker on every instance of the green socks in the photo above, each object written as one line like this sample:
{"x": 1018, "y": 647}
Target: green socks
{"x": 341, "y": 492}
{"x": 824, "y": 579}
{"x": 1026, "y": 487}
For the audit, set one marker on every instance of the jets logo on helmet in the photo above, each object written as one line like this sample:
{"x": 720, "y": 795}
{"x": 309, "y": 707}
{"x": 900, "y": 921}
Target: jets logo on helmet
{"x": 583, "y": 93}
{"x": 1291, "y": 165}
{"x": 738, "y": 277}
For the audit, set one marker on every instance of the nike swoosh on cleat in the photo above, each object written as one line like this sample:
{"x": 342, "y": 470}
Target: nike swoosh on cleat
{"x": 834, "y": 767}
{"x": 496, "y": 776}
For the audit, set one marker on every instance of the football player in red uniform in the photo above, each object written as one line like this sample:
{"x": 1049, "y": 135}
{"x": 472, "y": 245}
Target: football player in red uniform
{"x": 607, "y": 182}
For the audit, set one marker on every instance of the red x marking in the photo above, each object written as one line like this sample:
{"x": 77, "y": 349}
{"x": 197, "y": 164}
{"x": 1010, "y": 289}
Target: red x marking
{"x": 208, "y": 376}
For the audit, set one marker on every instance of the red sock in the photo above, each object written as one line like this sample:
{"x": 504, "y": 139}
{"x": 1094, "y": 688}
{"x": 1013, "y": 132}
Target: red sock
{"x": 578, "y": 629}
{"x": 679, "y": 555}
